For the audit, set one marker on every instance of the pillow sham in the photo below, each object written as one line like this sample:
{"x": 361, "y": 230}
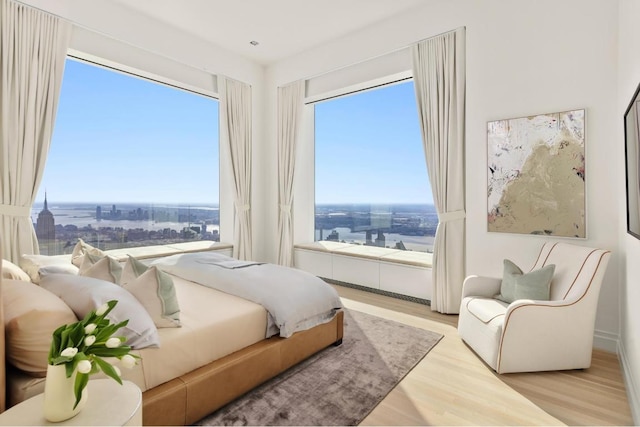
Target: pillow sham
{"x": 31, "y": 314}
{"x": 83, "y": 294}
{"x": 12, "y": 271}
{"x": 132, "y": 269}
{"x": 32, "y": 264}
{"x": 81, "y": 249}
{"x": 103, "y": 268}
{"x": 156, "y": 292}
{"x": 517, "y": 285}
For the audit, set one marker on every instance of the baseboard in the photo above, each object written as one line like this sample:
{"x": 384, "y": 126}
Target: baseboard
{"x": 632, "y": 388}
{"x": 606, "y": 341}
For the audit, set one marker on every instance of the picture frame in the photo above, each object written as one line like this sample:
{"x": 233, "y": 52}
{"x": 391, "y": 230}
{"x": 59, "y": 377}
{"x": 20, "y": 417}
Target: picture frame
{"x": 536, "y": 175}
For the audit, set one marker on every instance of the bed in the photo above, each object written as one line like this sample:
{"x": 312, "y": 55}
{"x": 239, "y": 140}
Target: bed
{"x": 225, "y": 346}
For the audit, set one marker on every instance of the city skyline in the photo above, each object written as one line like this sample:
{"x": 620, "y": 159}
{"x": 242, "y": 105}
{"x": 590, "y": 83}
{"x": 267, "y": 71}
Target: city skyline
{"x": 107, "y": 121}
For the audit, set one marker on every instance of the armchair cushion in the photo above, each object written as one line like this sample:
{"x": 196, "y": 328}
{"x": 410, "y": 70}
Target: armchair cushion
{"x": 516, "y": 285}
{"x": 486, "y": 309}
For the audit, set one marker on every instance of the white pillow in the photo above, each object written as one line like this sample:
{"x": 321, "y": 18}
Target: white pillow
{"x": 81, "y": 249}
{"x": 83, "y": 294}
{"x": 103, "y": 268}
{"x": 132, "y": 269}
{"x": 156, "y": 292}
{"x": 12, "y": 271}
{"x": 31, "y": 264}
{"x": 31, "y": 314}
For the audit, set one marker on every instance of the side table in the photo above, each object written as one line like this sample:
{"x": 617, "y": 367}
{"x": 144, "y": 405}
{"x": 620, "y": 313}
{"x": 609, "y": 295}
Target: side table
{"x": 109, "y": 403}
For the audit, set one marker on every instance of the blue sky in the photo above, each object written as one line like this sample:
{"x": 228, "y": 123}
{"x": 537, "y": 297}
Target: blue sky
{"x": 121, "y": 139}
{"x": 369, "y": 149}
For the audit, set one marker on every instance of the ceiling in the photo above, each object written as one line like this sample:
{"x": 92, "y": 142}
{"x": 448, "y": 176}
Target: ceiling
{"x": 281, "y": 27}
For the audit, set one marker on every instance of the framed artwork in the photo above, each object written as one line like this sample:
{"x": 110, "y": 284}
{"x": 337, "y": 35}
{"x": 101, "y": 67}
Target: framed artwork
{"x": 536, "y": 175}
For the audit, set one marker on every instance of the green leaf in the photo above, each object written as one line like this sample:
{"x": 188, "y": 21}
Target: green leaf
{"x": 79, "y": 385}
{"x": 76, "y": 336}
{"x": 55, "y": 349}
{"x": 107, "y": 369}
{"x": 110, "y": 352}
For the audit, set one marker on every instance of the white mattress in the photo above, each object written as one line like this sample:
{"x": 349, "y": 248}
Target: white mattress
{"x": 214, "y": 324}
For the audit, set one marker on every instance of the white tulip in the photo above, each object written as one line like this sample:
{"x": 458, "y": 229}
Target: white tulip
{"x": 69, "y": 352}
{"x": 90, "y": 328}
{"x": 113, "y": 342}
{"x": 84, "y": 366}
{"x": 89, "y": 340}
{"x": 128, "y": 361}
{"x": 103, "y": 309}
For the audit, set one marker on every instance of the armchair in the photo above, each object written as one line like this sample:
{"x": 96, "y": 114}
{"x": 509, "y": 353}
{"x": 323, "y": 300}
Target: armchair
{"x": 531, "y": 335}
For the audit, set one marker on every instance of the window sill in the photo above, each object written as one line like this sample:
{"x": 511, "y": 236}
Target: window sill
{"x": 157, "y": 251}
{"x": 413, "y": 258}
{"x": 146, "y": 252}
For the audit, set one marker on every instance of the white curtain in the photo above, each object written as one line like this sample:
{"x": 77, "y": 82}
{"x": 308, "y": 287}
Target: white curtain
{"x": 290, "y": 102}
{"x": 33, "y": 48}
{"x": 235, "y": 132}
{"x": 439, "y": 79}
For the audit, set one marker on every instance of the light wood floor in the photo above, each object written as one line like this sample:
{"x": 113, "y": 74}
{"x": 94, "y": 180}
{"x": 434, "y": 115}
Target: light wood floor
{"x": 452, "y": 386}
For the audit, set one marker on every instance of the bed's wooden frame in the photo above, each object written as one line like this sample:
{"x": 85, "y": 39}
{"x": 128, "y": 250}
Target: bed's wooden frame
{"x": 190, "y": 397}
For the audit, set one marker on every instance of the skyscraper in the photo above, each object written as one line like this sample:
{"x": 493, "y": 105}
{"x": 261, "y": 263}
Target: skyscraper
{"x": 46, "y": 224}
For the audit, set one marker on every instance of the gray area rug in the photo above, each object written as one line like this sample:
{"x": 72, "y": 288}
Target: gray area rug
{"x": 340, "y": 385}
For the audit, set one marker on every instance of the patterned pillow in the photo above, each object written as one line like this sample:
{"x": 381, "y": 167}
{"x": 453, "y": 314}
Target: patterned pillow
{"x": 155, "y": 291}
{"x": 103, "y": 268}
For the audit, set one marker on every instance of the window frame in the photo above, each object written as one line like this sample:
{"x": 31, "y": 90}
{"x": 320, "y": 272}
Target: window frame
{"x": 304, "y": 183}
{"x": 93, "y": 60}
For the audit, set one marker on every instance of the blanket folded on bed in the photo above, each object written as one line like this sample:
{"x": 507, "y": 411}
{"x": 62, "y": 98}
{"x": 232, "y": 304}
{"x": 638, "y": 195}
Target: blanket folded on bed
{"x": 230, "y": 263}
{"x": 295, "y": 300}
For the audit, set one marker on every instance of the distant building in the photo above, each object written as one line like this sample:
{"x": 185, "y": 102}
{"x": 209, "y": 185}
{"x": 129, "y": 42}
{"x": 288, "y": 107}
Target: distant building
{"x": 98, "y": 213}
{"x": 401, "y": 246}
{"x": 46, "y": 224}
{"x": 333, "y": 236}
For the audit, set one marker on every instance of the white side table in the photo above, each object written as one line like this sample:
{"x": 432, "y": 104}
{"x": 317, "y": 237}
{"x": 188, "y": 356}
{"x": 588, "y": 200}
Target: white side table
{"x": 109, "y": 403}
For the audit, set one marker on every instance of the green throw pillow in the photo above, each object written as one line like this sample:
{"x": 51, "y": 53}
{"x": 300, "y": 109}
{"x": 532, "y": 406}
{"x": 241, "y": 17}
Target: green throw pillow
{"x": 516, "y": 285}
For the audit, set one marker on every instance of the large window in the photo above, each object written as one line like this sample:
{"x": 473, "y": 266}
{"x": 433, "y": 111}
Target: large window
{"x": 372, "y": 186}
{"x": 132, "y": 163}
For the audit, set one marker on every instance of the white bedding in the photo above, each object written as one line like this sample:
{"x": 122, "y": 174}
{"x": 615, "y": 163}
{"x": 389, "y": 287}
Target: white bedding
{"x": 295, "y": 300}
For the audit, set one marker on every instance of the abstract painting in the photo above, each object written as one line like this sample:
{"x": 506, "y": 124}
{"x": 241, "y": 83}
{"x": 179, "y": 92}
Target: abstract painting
{"x": 536, "y": 175}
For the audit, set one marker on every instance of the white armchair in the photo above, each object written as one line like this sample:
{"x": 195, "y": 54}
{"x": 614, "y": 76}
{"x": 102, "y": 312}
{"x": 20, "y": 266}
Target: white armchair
{"x": 528, "y": 335}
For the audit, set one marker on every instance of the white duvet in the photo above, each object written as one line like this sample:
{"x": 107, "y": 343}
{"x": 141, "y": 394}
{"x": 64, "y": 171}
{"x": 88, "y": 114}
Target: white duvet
{"x": 295, "y": 300}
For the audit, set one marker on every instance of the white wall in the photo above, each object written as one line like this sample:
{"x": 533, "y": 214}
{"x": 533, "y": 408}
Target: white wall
{"x": 523, "y": 58}
{"x": 629, "y": 78}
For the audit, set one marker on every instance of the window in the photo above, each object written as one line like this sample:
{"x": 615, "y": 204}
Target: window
{"x": 372, "y": 186}
{"x": 132, "y": 163}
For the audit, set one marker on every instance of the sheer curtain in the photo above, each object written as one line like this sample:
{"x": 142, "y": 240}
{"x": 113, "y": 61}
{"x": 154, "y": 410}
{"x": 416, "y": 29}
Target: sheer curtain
{"x": 290, "y": 102}
{"x": 439, "y": 80}
{"x": 235, "y": 133}
{"x": 33, "y": 48}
